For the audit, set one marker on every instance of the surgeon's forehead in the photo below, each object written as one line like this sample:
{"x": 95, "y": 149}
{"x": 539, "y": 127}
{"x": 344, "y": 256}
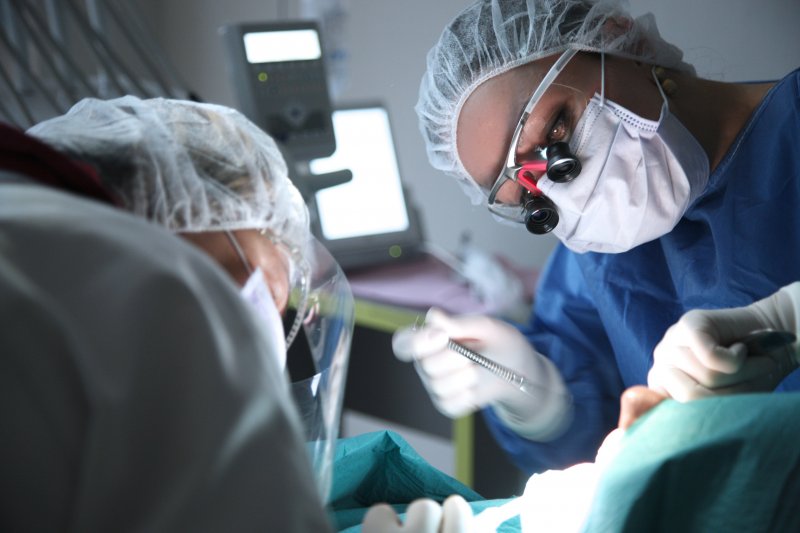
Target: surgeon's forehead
{"x": 486, "y": 123}
{"x": 489, "y": 115}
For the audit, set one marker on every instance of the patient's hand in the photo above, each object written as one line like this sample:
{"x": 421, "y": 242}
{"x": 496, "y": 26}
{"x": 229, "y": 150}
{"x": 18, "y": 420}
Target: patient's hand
{"x": 635, "y": 402}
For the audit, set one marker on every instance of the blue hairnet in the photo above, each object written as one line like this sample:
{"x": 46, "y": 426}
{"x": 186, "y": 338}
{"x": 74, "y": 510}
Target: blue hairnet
{"x": 493, "y": 36}
{"x": 188, "y": 166}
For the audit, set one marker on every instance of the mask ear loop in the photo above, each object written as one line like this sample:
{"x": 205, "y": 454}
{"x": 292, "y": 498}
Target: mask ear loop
{"x": 660, "y": 88}
{"x": 602, "y": 78}
{"x": 239, "y": 251}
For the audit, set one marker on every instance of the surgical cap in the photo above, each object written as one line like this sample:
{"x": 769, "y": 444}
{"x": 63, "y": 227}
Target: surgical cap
{"x": 491, "y": 37}
{"x": 188, "y": 166}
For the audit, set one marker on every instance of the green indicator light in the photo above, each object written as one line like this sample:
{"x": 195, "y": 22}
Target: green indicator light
{"x": 395, "y": 251}
{"x": 262, "y": 76}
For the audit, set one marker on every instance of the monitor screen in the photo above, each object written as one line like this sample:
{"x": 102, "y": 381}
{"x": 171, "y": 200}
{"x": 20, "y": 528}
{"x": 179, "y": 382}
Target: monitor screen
{"x": 281, "y": 46}
{"x": 370, "y": 212}
{"x": 372, "y": 202}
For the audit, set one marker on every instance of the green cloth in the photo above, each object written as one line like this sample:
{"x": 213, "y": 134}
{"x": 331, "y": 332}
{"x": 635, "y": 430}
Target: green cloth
{"x": 382, "y": 467}
{"x": 717, "y": 464}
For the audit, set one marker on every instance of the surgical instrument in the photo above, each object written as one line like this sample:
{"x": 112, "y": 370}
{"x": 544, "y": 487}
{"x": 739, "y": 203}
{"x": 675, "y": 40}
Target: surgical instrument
{"x": 774, "y": 344}
{"x": 762, "y": 341}
{"x": 510, "y": 376}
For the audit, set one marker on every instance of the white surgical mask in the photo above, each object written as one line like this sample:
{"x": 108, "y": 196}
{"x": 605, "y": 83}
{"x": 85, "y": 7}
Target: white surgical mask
{"x": 256, "y": 292}
{"x": 638, "y": 178}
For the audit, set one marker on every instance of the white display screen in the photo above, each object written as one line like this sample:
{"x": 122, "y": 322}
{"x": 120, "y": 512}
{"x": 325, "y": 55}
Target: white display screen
{"x": 284, "y": 45}
{"x": 372, "y": 203}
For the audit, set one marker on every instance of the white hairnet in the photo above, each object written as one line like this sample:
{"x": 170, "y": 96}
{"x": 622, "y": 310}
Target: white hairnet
{"x": 188, "y": 166}
{"x": 493, "y": 36}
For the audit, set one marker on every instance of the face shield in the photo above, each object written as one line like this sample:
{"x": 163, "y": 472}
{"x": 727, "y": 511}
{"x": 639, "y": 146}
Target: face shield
{"x": 318, "y": 326}
{"x": 317, "y": 360}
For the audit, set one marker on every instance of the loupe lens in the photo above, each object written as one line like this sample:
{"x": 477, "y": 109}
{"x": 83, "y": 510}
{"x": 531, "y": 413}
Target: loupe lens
{"x": 562, "y": 166}
{"x": 541, "y": 215}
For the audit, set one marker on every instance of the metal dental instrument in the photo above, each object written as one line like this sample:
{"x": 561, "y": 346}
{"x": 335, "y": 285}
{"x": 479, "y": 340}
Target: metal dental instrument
{"x": 762, "y": 341}
{"x": 775, "y": 344}
{"x": 503, "y": 372}
{"x": 517, "y": 380}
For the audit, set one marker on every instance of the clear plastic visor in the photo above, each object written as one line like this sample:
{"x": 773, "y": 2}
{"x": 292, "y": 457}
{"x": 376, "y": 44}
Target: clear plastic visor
{"x": 319, "y": 319}
{"x": 317, "y": 361}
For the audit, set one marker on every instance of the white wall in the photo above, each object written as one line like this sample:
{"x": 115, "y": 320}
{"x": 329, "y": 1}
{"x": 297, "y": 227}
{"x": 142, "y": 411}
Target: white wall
{"x": 388, "y": 40}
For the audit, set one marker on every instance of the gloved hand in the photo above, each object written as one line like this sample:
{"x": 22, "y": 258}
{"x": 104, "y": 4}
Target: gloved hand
{"x": 701, "y": 355}
{"x": 458, "y": 386}
{"x": 422, "y": 516}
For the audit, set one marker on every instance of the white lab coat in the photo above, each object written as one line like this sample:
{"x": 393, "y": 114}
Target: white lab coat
{"x": 136, "y": 391}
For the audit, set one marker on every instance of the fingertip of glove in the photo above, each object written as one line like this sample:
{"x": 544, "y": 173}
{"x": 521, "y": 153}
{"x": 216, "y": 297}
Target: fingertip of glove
{"x": 403, "y": 344}
{"x": 423, "y": 514}
{"x": 436, "y": 315}
{"x": 457, "y": 514}
{"x": 378, "y": 517}
{"x": 409, "y": 344}
{"x": 455, "y": 503}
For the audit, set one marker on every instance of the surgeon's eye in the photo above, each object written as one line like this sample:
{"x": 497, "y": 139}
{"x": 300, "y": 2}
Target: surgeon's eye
{"x": 559, "y": 129}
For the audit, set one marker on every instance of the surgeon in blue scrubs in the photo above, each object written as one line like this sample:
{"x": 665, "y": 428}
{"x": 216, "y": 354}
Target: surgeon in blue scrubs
{"x": 674, "y": 199}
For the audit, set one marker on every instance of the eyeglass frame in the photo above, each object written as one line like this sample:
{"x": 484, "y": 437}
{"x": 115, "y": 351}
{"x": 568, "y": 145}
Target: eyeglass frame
{"x": 519, "y": 173}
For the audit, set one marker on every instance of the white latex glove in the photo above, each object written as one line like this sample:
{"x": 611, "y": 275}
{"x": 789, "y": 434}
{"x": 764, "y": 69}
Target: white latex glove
{"x": 422, "y": 516}
{"x": 701, "y": 354}
{"x": 458, "y": 386}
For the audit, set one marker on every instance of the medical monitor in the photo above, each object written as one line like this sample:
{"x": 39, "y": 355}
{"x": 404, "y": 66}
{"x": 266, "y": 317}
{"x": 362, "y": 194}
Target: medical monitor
{"x": 279, "y": 76}
{"x": 369, "y": 219}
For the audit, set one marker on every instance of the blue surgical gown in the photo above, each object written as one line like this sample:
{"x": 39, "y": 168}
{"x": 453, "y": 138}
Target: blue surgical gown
{"x": 599, "y": 316}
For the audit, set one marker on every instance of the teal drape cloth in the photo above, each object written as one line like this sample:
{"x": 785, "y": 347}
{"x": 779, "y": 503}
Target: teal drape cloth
{"x": 382, "y": 467}
{"x": 717, "y": 464}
